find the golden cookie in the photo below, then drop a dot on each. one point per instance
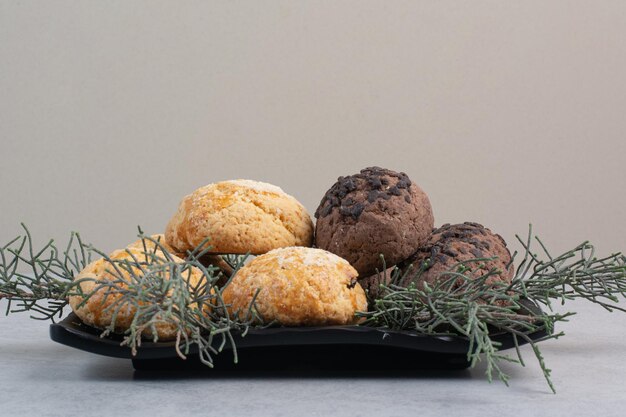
(150, 245)
(207, 259)
(239, 216)
(101, 303)
(298, 287)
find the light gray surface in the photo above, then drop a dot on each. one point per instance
(40, 377)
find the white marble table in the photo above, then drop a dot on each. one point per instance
(39, 377)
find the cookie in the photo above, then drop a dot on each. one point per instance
(372, 284)
(102, 303)
(238, 217)
(207, 259)
(451, 244)
(372, 213)
(149, 245)
(298, 287)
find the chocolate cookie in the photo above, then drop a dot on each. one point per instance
(372, 284)
(451, 244)
(374, 212)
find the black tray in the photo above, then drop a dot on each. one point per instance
(279, 348)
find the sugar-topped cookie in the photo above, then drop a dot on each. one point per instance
(298, 287)
(240, 216)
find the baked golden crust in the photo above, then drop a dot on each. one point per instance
(239, 216)
(100, 306)
(298, 287)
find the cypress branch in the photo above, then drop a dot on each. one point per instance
(158, 288)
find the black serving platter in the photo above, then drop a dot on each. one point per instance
(276, 348)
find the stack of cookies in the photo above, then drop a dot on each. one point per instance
(302, 274)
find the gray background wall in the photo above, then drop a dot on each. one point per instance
(504, 112)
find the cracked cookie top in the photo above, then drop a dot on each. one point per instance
(239, 216)
(375, 182)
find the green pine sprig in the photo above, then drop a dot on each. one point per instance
(154, 285)
(460, 303)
